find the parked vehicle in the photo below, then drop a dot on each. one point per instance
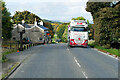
(77, 33)
(58, 40)
(26, 41)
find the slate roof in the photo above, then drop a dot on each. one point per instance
(28, 25)
(43, 27)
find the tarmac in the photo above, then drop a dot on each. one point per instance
(13, 58)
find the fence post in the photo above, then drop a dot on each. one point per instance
(24, 47)
(18, 45)
(10, 44)
(15, 45)
(27, 46)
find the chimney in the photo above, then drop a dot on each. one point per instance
(35, 22)
(41, 22)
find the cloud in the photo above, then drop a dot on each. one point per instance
(22, 1)
(54, 10)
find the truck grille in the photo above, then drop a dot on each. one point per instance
(78, 41)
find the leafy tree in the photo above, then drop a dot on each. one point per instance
(65, 34)
(27, 16)
(90, 28)
(78, 18)
(6, 22)
(96, 6)
(106, 23)
(50, 27)
(62, 31)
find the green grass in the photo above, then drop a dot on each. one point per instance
(9, 51)
(6, 74)
(3, 55)
(111, 50)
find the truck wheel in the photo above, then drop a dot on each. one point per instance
(85, 46)
(44, 42)
(70, 46)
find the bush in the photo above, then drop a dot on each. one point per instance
(4, 59)
(107, 46)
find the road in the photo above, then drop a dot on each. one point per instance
(59, 61)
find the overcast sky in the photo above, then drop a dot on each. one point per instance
(62, 10)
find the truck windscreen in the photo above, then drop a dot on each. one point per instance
(78, 29)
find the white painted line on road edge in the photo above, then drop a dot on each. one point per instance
(108, 55)
(84, 74)
(112, 56)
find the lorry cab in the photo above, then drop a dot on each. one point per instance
(78, 33)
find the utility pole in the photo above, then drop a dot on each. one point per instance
(21, 35)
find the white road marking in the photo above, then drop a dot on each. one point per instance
(67, 49)
(84, 74)
(78, 65)
(22, 71)
(77, 62)
(106, 54)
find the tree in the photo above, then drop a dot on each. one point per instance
(6, 22)
(90, 28)
(65, 34)
(78, 18)
(96, 6)
(27, 16)
(60, 30)
(50, 27)
(106, 23)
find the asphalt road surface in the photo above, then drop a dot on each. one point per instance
(60, 61)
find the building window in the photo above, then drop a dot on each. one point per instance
(14, 38)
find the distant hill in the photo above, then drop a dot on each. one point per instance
(57, 22)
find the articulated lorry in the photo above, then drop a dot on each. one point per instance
(78, 33)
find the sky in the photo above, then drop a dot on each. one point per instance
(57, 10)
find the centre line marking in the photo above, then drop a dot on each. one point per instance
(84, 74)
(77, 62)
(78, 65)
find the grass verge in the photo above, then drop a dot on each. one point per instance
(7, 51)
(11, 69)
(100, 48)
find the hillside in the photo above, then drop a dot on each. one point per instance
(50, 21)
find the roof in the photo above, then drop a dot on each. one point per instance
(28, 25)
(43, 27)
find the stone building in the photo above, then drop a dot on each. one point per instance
(37, 33)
